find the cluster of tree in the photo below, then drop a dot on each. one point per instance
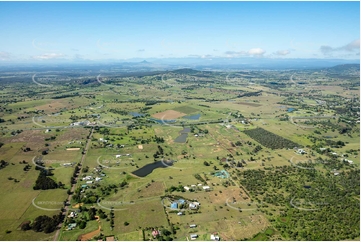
(179, 188)
(44, 182)
(43, 223)
(3, 164)
(159, 152)
(158, 139)
(199, 178)
(335, 214)
(270, 140)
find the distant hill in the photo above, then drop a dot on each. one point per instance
(345, 67)
(186, 71)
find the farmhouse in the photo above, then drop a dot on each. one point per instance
(192, 225)
(214, 237)
(206, 188)
(71, 226)
(301, 151)
(186, 188)
(117, 156)
(155, 233)
(194, 236)
(193, 206)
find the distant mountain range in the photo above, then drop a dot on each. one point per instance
(230, 64)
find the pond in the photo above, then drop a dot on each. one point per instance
(181, 138)
(193, 117)
(290, 109)
(136, 114)
(147, 169)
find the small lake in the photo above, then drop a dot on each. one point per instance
(147, 169)
(181, 138)
(193, 117)
(290, 109)
(136, 114)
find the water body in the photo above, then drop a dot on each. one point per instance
(290, 110)
(147, 169)
(181, 138)
(193, 117)
(136, 114)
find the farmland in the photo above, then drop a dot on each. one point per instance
(112, 153)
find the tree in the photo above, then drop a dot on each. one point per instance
(82, 224)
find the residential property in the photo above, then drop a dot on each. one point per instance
(155, 233)
(89, 182)
(180, 213)
(301, 151)
(206, 188)
(71, 226)
(192, 225)
(117, 156)
(110, 238)
(193, 206)
(215, 237)
(186, 188)
(194, 236)
(174, 205)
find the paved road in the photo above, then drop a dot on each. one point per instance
(56, 236)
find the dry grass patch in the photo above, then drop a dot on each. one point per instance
(168, 115)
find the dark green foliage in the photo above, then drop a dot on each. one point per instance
(270, 140)
(44, 182)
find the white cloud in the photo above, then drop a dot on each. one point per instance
(282, 52)
(4, 55)
(256, 52)
(49, 56)
(252, 52)
(350, 47)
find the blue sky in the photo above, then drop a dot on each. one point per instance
(46, 31)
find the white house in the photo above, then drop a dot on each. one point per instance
(89, 182)
(117, 156)
(194, 236)
(301, 151)
(193, 206)
(214, 238)
(192, 225)
(186, 188)
(206, 188)
(180, 213)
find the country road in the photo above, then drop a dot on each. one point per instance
(56, 236)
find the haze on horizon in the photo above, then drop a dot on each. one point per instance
(48, 32)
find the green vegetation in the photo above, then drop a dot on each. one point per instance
(74, 146)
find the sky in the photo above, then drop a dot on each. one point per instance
(76, 31)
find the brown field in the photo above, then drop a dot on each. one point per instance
(168, 115)
(88, 236)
